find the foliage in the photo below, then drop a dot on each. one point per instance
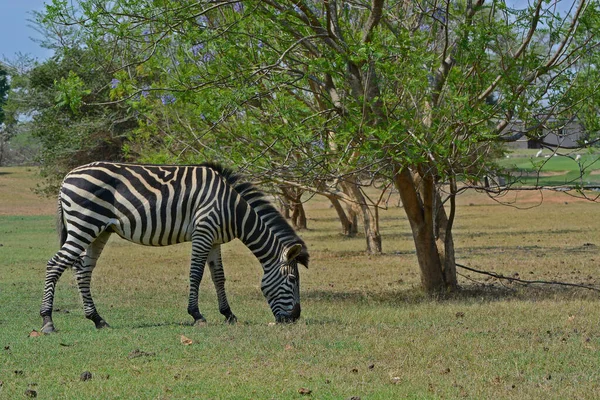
(215, 82)
(51, 100)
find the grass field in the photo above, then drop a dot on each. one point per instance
(582, 169)
(366, 330)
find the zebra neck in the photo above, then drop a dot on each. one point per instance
(258, 237)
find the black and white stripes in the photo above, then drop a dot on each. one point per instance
(161, 205)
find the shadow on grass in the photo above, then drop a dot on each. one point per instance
(468, 294)
(586, 247)
(5, 173)
(161, 324)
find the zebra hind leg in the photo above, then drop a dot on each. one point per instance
(201, 246)
(54, 269)
(83, 271)
(84, 277)
(215, 265)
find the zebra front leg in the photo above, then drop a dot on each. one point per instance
(83, 270)
(215, 264)
(201, 244)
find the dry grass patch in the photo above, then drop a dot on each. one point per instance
(17, 196)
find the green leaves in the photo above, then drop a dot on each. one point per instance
(70, 92)
(266, 84)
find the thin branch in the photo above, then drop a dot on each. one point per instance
(511, 279)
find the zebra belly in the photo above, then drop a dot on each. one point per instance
(156, 238)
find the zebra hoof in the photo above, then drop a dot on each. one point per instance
(200, 323)
(102, 324)
(48, 328)
(231, 319)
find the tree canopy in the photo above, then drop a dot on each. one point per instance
(326, 96)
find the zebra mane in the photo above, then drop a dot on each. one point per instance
(266, 211)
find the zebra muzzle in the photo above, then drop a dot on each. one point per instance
(291, 316)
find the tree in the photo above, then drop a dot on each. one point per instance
(4, 88)
(330, 96)
(48, 100)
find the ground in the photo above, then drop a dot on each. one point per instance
(366, 330)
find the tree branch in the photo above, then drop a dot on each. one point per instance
(373, 20)
(500, 276)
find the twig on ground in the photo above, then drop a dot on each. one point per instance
(500, 276)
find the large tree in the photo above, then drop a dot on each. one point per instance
(330, 96)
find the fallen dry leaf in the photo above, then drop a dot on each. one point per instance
(34, 333)
(571, 318)
(186, 341)
(304, 391)
(289, 347)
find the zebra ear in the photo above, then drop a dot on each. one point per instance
(293, 251)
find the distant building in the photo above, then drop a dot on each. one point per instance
(551, 133)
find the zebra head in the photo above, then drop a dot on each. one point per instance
(281, 286)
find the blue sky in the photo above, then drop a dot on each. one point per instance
(16, 32)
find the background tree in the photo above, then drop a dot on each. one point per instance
(4, 88)
(331, 96)
(49, 102)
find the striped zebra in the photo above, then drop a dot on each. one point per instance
(160, 205)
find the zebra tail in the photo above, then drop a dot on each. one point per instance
(60, 224)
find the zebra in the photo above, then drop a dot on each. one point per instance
(160, 205)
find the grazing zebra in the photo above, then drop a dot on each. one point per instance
(158, 205)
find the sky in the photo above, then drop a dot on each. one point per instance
(16, 32)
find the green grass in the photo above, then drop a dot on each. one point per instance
(549, 170)
(366, 329)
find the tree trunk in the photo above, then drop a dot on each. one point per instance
(284, 207)
(369, 215)
(348, 225)
(431, 231)
(353, 218)
(293, 198)
(445, 244)
(299, 216)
